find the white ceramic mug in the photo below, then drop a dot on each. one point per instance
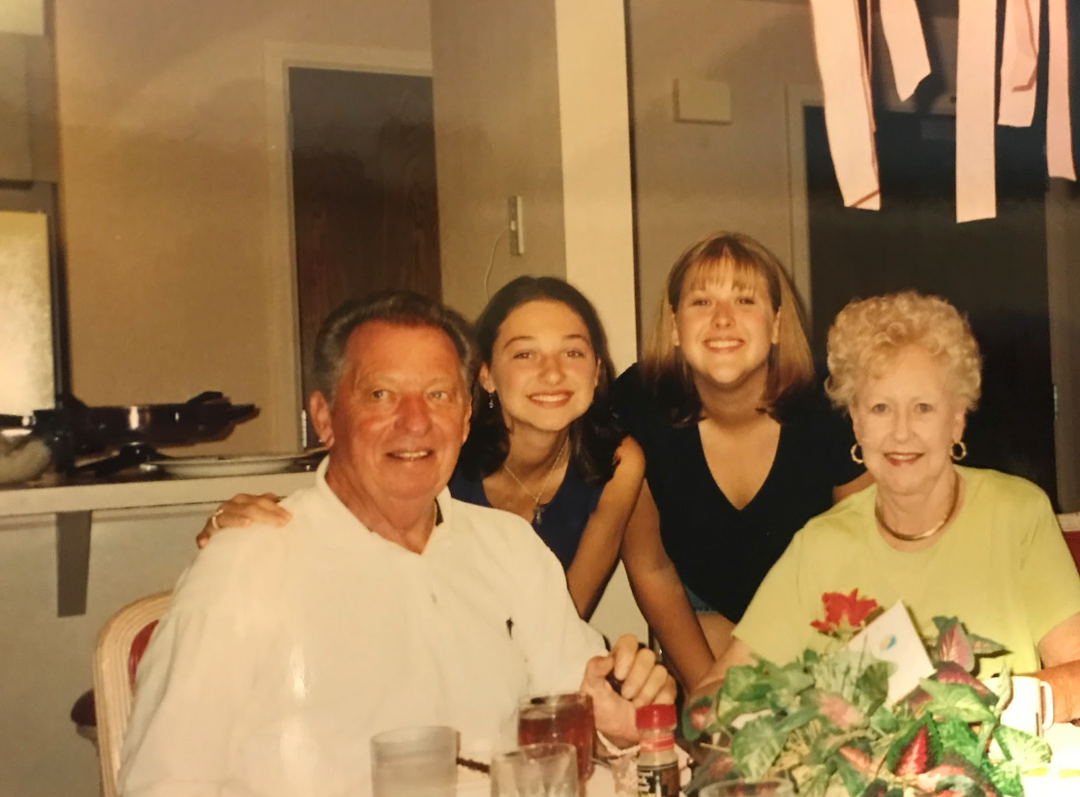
(1031, 708)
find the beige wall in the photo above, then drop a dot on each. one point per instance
(163, 125)
(693, 179)
(530, 99)
(496, 135)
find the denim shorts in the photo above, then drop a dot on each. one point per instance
(697, 604)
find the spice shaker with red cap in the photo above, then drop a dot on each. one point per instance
(658, 764)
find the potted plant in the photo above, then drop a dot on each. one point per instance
(823, 720)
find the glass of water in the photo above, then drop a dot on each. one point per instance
(548, 769)
(414, 762)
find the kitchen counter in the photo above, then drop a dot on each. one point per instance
(54, 495)
(73, 502)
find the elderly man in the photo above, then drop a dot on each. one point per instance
(383, 603)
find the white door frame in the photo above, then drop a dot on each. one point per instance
(799, 97)
(284, 332)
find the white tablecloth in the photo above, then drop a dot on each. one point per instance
(1059, 779)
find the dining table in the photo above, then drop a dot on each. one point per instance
(1061, 778)
(477, 784)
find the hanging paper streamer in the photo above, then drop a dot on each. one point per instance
(907, 45)
(1059, 154)
(846, 85)
(976, 183)
(1019, 62)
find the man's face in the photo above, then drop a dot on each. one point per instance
(398, 419)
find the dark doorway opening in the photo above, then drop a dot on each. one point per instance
(994, 271)
(365, 208)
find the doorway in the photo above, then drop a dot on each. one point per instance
(994, 271)
(365, 210)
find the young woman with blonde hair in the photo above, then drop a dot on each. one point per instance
(741, 447)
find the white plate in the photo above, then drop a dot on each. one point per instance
(203, 467)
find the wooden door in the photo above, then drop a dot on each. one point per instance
(364, 195)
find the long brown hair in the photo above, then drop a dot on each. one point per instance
(668, 377)
(594, 436)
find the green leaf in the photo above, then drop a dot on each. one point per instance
(884, 721)
(984, 646)
(1006, 778)
(877, 788)
(872, 685)
(745, 683)
(755, 747)
(957, 736)
(916, 751)
(793, 678)
(955, 701)
(964, 786)
(1025, 749)
(853, 781)
(796, 719)
(839, 672)
(953, 645)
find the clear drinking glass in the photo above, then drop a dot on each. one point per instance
(535, 770)
(564, 718)
(772, 787)
(415, 762)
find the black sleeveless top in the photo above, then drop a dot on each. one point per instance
(564, 516)
(722, 553)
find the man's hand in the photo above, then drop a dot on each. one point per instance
(643, 682)
(243, 510)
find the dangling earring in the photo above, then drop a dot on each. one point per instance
(957, 456)
(855, 457)
(491, 400)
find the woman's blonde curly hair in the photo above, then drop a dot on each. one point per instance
(867, 335)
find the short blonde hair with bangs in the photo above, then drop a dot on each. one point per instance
(868, 334)
(665, 371)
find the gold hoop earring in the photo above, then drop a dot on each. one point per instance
(958, 455)
(491, 400)
(855, 457)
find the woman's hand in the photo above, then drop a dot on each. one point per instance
(243, 510)
(1060, 654)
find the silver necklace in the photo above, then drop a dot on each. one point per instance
(930, 531)
(538, 510)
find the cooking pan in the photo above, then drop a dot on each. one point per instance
(72, 429)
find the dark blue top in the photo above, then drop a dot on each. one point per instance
(720, 552)
(564, 516)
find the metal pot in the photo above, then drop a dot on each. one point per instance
(73, 429)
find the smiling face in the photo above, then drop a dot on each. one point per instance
(906, 421)
(725, 327)
(543, 367)
(398, 418)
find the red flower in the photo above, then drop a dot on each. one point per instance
(844, 613)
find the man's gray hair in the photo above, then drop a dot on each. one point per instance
(400, 308)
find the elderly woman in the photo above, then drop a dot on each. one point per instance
(947, 540)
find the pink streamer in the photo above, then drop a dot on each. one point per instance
(1019, 62)
(976, 184)
(848, 115)
(1059, 154)
(907, 46)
